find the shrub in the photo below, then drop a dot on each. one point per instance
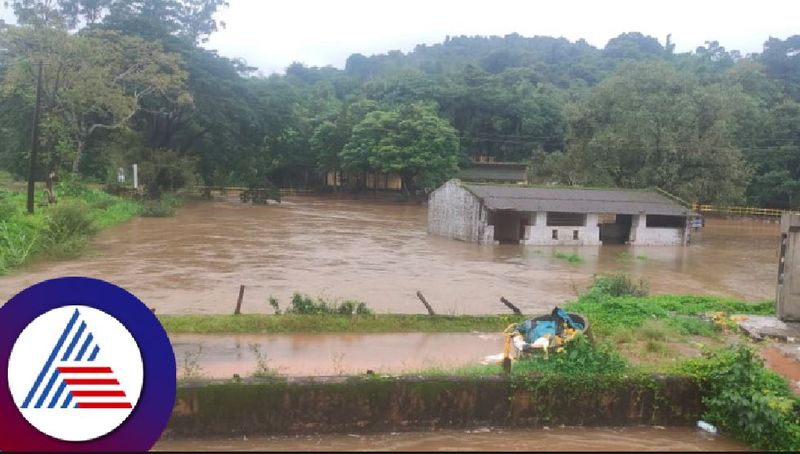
(578, 358)
(66, 230)
(7, 206)
(18, 241)
(571, 258)
(618, 285)
(303, 304)
(747, 400)
(163, 207)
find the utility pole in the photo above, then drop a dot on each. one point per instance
(34, 140)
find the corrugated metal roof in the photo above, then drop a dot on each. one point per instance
(576, 200)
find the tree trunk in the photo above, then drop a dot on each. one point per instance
(78, 154)
(408, 185)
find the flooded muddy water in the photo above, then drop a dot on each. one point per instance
(215, 356)
(556, 439)
(380, 252)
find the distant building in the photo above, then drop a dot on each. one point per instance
(494, 172)
(555, 216)
(367, 180)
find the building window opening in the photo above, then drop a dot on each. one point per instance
(555, 234)
(675, 222)
(560, 219)
(574, 234)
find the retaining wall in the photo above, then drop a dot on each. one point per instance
(303, 406)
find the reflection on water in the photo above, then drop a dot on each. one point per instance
(380, 252)
(556, 439)
(328, 354)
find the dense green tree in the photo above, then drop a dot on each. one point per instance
(651, 125)
(412, 141)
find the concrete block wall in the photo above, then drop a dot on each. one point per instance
(454, 212)
(641, 235)
(539, 233)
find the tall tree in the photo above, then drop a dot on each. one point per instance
(412, 141)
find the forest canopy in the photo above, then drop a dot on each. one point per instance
(128, 81)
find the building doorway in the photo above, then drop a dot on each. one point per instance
(509, 226)
(618, 231)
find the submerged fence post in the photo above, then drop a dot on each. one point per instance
(425, 302)
(510, 305)
(239, 301)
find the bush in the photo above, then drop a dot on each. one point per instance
(747, 400)
(163, 207)
(18, 241)
(66, 230)
(578, 358)
(618, 285)
(303, 304)
(7, 206)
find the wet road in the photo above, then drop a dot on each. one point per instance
(556, 439)
(380, 252)
(217, 356)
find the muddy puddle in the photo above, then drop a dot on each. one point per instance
(556, 439)
(380, 252)
(200, 356)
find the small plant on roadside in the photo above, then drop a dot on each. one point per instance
(263, 370)
(275, 306)
(191, 365)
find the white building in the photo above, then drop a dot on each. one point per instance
(555, 216)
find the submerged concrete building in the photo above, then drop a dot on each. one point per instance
(555, 216)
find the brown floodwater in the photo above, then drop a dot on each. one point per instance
(222, 356)
(380, 252)
(485, 439)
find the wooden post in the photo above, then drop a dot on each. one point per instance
(34, 141)
(510, 306)
(425, 302)
(239, 301)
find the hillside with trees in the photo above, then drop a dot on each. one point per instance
(130, 82)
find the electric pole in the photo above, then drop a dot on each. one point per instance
(34, 140)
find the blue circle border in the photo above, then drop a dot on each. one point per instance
(144, 426)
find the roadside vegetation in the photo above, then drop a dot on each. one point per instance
(56, 231)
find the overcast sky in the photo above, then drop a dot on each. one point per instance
(271, 34)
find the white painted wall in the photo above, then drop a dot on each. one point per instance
(539, 233)
(454, 212)
(641, 235)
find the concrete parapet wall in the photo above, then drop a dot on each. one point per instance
(303, 406)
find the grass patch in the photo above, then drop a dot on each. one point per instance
(326, 323)
(58, 231)
(571, 258)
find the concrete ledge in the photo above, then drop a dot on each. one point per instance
(373, 404)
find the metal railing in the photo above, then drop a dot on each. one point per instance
(742, 211)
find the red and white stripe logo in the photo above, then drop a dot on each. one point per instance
(75, 373)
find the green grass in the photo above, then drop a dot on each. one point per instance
(608, 314)
(55, 231)
(571, 258)
(327, 323)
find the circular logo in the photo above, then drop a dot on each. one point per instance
(90, 361)
(88, 368)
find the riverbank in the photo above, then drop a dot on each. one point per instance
(55, 231)
(615, 314)
(638, 344)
